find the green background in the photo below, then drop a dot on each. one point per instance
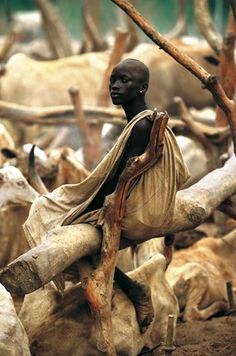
(161, 13)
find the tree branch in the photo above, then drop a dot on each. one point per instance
(209, 81)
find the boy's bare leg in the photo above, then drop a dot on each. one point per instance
(140, 295)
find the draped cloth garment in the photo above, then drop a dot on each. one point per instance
(149, 204)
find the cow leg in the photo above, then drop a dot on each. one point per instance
(140, 295)
(206, 313)
(198, 287)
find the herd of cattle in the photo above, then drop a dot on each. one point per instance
(189, 282)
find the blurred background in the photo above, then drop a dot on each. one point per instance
(162, 14)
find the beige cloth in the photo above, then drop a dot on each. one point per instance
(149, 205)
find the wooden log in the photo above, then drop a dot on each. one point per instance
(63, 247)
(58, 115)
(13, 338)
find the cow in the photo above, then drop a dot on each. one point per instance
(13, 338)
(198, 276)
(57, 167)
(36, 83)
(6, 141)
(47, 316)
(14, 187)
(16, 196)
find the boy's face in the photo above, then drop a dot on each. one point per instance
(125, 83)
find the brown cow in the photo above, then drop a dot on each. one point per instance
(198, 275)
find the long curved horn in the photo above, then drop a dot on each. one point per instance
(34, 178)
(180, 26)
(206, 25)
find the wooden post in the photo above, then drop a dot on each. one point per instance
(230, 296)
(168, 347)
(88, 146)
(98, 288)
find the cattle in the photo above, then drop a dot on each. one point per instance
(37, 83)
(16, 196)
(57, 167)
(47, 316)
(6, 141)
(13, 338)
(198, 276)
(69, 169)
(14, 187)
(18, 157)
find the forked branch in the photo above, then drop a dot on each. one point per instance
(99, 286)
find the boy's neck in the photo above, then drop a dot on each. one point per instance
(132, 109)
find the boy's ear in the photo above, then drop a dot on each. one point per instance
(145, 87)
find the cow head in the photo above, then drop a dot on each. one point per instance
(14, 188)
(19, 158)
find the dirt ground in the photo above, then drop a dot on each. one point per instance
(214, 337)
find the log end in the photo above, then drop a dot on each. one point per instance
(197, 215)
(18, 278)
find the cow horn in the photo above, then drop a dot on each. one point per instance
(180, 26)
(34, 178)
(206, 25)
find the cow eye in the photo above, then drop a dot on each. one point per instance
(20, 183)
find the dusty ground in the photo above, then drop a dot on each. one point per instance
(214, 337)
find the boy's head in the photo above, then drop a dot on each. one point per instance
(129, 79)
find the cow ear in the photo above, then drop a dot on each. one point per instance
(8, 153)
(212, 60)
(169, 240)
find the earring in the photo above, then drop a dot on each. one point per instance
(141, 91)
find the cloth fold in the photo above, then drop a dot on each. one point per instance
(149, 205)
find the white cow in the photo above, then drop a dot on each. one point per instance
(13, 338)
(46, 83)
(14, 187)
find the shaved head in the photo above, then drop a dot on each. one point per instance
(138, 68)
